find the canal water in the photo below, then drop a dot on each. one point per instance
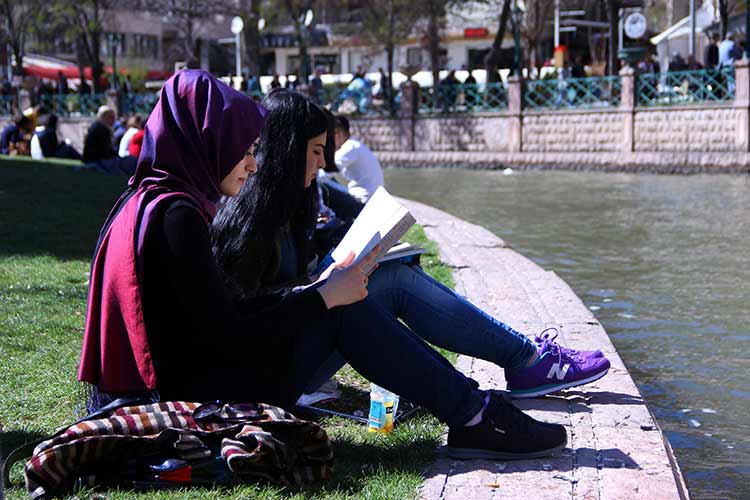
(664, 264)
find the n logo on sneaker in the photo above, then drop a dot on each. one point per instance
(558, 371)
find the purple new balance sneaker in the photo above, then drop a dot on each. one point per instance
(545, 337)
(557, 368)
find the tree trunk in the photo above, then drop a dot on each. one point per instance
(612, 15)
(389, 49)
(14, 32)
(18, 56)
(80, 55)
(492, 59)
(723, 17)
(303, 61)
(433, 39)
(96, 47)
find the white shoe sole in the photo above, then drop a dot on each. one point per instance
(555, 388)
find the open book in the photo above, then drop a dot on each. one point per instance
(383, 220)
(402, 252)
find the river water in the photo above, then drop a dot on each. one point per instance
(664, 264)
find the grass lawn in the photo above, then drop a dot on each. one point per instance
(50, 216)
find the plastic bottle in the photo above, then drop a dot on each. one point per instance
(383, 406)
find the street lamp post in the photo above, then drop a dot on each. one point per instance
(237, 26)
(307, 20)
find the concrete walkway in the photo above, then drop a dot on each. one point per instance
(615, 448)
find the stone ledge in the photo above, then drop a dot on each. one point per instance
(671, 162)
(616, 449)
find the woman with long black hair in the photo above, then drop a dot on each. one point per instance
(251, 239)
(162, 325)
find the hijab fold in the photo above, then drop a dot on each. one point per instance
(198, 131)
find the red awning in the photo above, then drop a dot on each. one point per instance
(72, 72)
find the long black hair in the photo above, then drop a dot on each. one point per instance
(246, 229)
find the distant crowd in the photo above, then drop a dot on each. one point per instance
(111, 144)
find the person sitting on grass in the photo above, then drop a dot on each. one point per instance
(45, 143)
(135, 124)
(162, 324)
(356, 163)
(261, 241)
(14, 139)
(98, 151)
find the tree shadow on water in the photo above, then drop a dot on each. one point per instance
(53, 210)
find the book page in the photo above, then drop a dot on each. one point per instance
(382, 220)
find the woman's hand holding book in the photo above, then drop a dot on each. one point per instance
(347, 284)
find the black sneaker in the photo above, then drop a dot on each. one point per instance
(505, 433)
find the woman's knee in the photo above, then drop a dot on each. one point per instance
(391, 276)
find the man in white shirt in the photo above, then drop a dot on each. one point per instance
(356, 163)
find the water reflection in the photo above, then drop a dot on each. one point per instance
(663, 262)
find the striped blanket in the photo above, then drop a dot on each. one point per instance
(162, 444)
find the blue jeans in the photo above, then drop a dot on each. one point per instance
(383, 350)
(440, 316)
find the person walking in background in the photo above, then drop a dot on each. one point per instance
(292, 82)
(135, 123)
(729, 51)
(316, 87)
(711, 53)
(448, 91)
(356, 163)
(253, 86)
(127, 85)
(385, 88)
(62, 83)
(577, 69)
(275, 83)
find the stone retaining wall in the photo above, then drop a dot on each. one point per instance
(626, 135)
(573, 131)
(693, 129)
(463, 133)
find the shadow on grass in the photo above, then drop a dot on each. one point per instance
(53, 209)
(355, 467)
(12, 439)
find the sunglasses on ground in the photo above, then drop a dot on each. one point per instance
(227, 412)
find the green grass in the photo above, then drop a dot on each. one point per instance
(49, 220)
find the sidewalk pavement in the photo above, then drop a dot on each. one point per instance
(615, 447)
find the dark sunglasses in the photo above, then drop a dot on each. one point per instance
(227, 412)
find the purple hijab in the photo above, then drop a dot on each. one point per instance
(198, 131)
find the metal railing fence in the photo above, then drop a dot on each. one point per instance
(685, 87)
(591, 92)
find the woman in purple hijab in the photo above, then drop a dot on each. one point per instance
(160, 323)
(156, 308)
